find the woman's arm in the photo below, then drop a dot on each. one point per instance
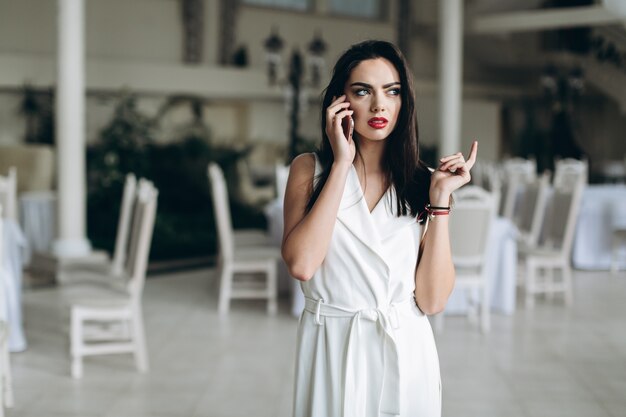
(306, 236)
(434, 276)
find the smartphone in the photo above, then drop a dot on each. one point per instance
(347, 124)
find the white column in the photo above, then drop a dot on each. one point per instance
(450, 75)
(70, 131)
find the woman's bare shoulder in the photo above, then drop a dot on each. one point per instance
(303, 165)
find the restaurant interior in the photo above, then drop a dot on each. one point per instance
(145, 148)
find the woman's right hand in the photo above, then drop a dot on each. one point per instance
(343, 147)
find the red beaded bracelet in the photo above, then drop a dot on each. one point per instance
(432, 211)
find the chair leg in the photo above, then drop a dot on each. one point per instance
(485, 318)
(566, 271)
(472, 306)
(272, 288)
(139, 340)
(76, 343)
(6, 380)
(529, 286)
(614, 251)
(226, 282)
(549, 283)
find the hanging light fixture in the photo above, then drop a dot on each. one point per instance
(273, 48)
(317, 50)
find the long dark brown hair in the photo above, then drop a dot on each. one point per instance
(405, 171)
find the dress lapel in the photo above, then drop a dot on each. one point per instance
(372, 229)
(385, 216)
(355, 216)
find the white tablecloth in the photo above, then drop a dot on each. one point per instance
(37, 216)
(601, 205)
(501, 268)
(501, 271)
(15, 246)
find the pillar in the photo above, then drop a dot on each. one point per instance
(450, 75)
(70, 132)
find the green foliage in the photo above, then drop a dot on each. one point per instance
(184, 225)
(122, 146)
(37, 107)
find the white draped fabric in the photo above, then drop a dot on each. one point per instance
(603, 206)
(37, 216)
(15, 246)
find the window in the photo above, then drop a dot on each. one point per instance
(300, 5)
(370, 9)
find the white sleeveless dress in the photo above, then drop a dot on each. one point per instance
(364, 348)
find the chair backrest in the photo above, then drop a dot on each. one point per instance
(564, 208)
(221, 209)
(570, 172)
(511, 187)
(517, 172)
(8, 194)
(142, 226)
(282, 174)
(529, 218)
(520, 167)
(492, 182)
(123, 225)
(470, 224)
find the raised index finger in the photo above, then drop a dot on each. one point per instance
(471, 159)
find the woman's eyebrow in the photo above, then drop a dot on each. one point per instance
(360, 84)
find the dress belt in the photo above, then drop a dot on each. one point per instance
(355, 388)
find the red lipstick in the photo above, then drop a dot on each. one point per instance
(377, 122)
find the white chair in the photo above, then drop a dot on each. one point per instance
(530, 216)
(570, 172)
(102, 267)
(248, 192)
(8, 194)
(517, 172)
(471, 220)
(239, 259)
(492, 182)
(108, 319)
(554, 251)
(520, 167)
(6, 382)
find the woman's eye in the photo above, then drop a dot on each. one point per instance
(394, 91)
(360, 92)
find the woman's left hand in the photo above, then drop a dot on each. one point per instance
(453, 172)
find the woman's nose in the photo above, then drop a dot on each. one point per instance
(377, 106)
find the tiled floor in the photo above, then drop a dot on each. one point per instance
(552, 361)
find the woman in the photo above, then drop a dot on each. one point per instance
(369, 271)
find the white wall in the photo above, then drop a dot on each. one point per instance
(126, 38)
(137, 30)
(480, 120)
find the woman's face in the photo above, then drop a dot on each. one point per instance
(373, 91)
